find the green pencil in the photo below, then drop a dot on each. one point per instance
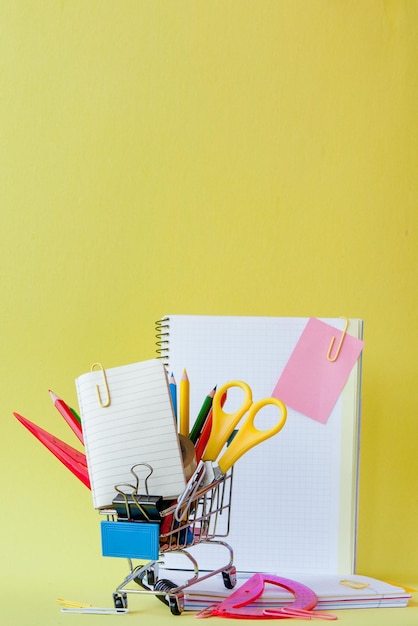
(76, 415)
(201, 418)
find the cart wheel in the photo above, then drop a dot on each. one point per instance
(120, 600)
(151, 577)
(139, 581)
(176, 604)
(230, 577)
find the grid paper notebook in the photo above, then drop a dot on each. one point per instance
(137, 427)
(294, 499)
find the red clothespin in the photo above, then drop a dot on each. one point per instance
(236, 605)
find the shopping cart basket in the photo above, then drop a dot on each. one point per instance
(139, 527)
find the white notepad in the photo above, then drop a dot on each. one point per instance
(333, 592)
(138, 426)
(294, 500)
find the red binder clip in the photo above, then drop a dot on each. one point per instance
(236, 605)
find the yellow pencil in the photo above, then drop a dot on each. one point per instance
(184, 405)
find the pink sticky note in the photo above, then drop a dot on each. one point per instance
(310, 383)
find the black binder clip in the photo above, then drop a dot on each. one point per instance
(136, 507)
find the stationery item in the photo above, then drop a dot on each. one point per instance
(237, 605)
(188, 497)
(68, 415)
(71, 603)
(188, 454)
(173, 393)
(331, 356)
(202, 417)
(136, 426)
(248, 435)
(184, 405)
(301, 486)
(206, 430)
(311, 383)
(73, 460)
(136, 506)
(76, 415)
(94, 610)
(82, 607)
(364, 592)
(106, 401)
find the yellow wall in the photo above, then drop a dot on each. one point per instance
(225, 157)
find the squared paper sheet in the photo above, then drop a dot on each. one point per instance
(294, 496)
(138, 426)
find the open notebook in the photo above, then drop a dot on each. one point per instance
(294, 500)
(138, 426)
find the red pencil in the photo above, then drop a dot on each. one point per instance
(68, 415)
(205, 434)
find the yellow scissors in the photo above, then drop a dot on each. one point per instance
(223, 425)
(248, 436)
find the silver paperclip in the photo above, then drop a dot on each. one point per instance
(81, 607)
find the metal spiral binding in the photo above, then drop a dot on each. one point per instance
(162, 329)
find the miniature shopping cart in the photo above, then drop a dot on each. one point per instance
(141, 526)
(147, 529)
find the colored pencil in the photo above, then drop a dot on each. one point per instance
(201, 418)
(204, 437)
(68, 415)
(173, 393)
(184, 405)
(76, 415)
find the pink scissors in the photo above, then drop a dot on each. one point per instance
(236, 605)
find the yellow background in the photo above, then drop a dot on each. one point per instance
(217, 157)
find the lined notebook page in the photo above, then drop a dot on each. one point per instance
(294, 496)
(138, 426)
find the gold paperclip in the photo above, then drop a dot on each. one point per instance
(335, 357)
(107, 403)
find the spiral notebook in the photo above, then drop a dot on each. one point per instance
(294, 500)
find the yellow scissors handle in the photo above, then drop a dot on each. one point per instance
(224, 423)
(249, 436)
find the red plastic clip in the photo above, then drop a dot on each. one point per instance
(233, 606)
